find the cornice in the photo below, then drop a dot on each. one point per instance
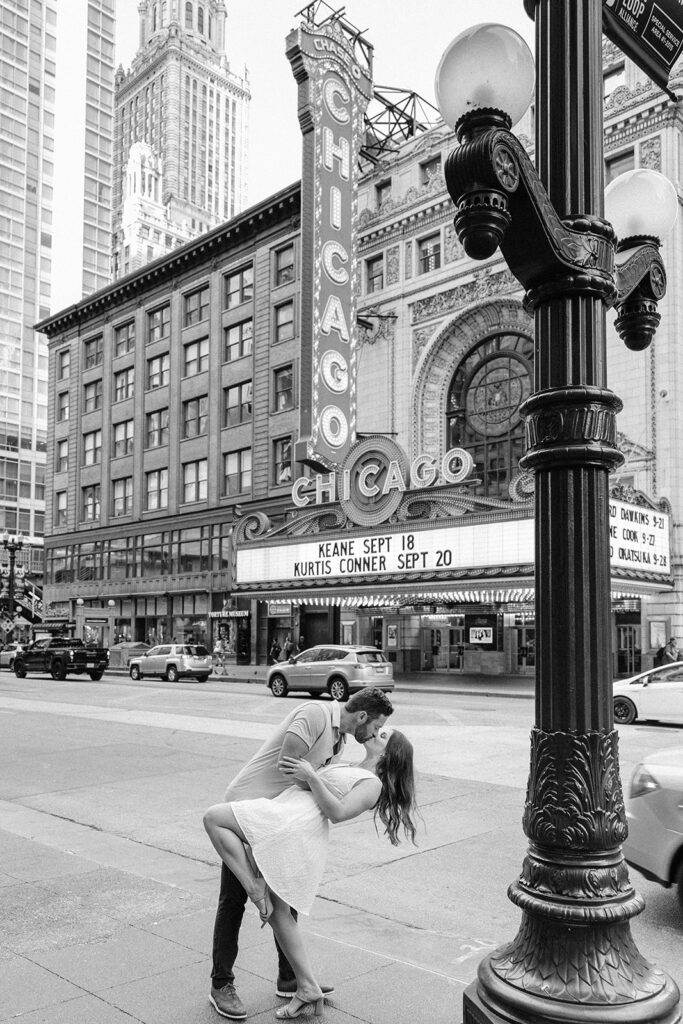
(206, 64)
(246, 226)
(641, 124)
(437, 213)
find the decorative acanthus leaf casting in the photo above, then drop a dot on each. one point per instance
(574, 799)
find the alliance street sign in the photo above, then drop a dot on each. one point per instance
(650, 32)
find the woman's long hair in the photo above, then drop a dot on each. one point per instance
(397, 799)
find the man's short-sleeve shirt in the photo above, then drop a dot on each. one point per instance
(318, 725)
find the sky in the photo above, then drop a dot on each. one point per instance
(408, 41)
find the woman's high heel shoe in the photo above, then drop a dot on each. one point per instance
(297, 1005)
(263, 904)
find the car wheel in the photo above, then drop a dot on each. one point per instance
(172, 674)
(202, 679)
(679, 883)
(135, 672)
(97, 674)
(58, 670)
(624, 711)
(278, 686)
(19, 669)
(338, 689)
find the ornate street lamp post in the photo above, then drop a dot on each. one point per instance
(573, 959)
(11, 546)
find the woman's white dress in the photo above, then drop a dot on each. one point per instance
(288, 835)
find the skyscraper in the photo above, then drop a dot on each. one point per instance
(83, 152)
(27, 104)
(54, 59)
(180, 134)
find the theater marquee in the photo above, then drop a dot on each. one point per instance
(639, 540)
(335, 86)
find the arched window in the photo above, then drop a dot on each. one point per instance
(482, 409)
(200, 19)
(188, 15)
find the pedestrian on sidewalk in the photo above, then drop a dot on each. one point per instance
(275, 651)
(288, 838)
(315, 732)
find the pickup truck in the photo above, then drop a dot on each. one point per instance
(60, 656)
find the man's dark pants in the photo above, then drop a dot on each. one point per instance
(232, 900)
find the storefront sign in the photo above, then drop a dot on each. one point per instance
(639, 539)
(650, 32)
(334, 90)
(235, 614)
(279, 609)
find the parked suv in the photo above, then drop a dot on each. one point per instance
(337, 669)
(172, 662)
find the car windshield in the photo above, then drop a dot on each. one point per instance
(195, 650)
(371, 656)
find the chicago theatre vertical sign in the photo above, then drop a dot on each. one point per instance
(334, 75)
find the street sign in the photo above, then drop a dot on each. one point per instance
(650, 32)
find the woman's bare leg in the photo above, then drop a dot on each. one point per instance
(289, 936)
(228, 840)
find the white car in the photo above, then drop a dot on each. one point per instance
(654, 811)
(655, 694)
(7, 655)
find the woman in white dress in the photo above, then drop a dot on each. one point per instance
(277, 847)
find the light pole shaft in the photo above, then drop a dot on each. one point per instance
(572, 542)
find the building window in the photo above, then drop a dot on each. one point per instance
(382, 192)
(195, 475)
(482, 409)
(158, 324)
(375, 273)
(238, 340)
(284, 322)
(92, 448)
(92, 395)
(195, 416)
(63, 364)
(282, 461)
(156, 428)
(283, 389)
(237, 472)
(196, 357)
(156, 489)
(237, 404)
(124, 385)
(63, 406)
(123, 439)
(158, 371)
(239, 287)
(429, 254)
(188, 15)
(60, 508)
(124, 338)
(90, 509)
(612, 79)
(122, 497)
(430, 169)
(196, 306)
(93, 352)
(62, 460)
(284, 265)
(617, 165)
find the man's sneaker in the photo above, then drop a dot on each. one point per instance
(226, 1002)
(286, 989)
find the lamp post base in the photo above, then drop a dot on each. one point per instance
(492, 1001)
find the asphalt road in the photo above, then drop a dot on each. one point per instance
(118, 772)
